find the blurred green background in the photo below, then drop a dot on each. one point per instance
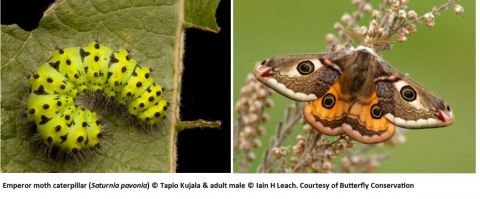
(441, 58)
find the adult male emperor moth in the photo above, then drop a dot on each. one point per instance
(354, 92)
(95, 68)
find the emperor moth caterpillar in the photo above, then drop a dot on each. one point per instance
(95, 68)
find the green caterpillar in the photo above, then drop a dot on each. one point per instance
(94, 68)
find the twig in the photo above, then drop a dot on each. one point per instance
(310, 144)
(436, 11)
(282, 133)
(182, 125)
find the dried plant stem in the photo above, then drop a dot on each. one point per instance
(254, 99)
(313, 137)
(292, 116)
(436, 10)
(236, 134)
(389, 25)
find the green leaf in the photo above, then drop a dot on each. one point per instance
(201, 14)
(151, 30)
